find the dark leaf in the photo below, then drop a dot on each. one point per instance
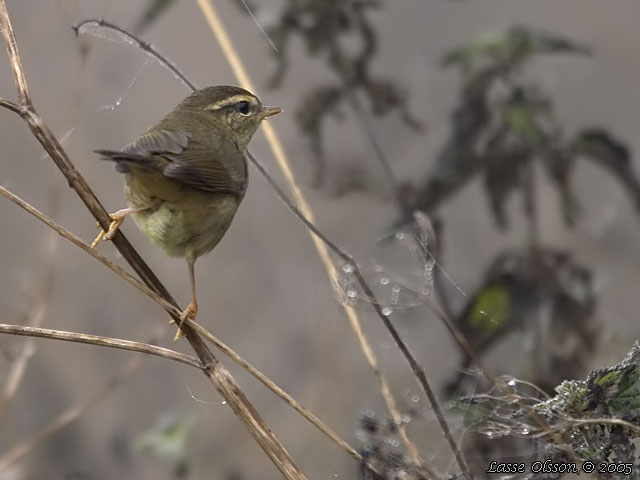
(605, 150)
(558, 163)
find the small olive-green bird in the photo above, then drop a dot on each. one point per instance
(186, 176)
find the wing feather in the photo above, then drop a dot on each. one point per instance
(179, 158)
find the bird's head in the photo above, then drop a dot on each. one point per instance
(231, 107)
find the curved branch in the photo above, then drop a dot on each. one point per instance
(14, 107)
(102, 342)
(144, 46)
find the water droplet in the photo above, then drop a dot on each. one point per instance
(386, 311)
(348, 268)
(399, 235)
(524, 431)
(384, 281)
(415, 399)
(512, 382)
(395, 294)
(406, 419)
(352, 293)
(224, 402)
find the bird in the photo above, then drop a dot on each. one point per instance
(186, 176)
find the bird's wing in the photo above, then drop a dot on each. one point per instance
(178, 157)
(207, 170)
(159, 142)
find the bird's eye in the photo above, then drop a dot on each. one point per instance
(243, 107)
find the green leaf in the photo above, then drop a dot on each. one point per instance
(168, 438)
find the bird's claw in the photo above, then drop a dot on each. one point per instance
(188, 313)
(116, 220)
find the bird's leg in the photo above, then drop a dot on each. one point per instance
(117, 219)
(192, 309)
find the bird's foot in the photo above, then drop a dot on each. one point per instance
(117, 219)
(190, 312)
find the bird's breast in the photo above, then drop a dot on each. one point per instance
(182, 220)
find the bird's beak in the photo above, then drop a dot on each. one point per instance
(269, 111)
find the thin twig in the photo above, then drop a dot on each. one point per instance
(438, 274)
(145, 46)
(417, 370)
(469, 350)
(213, 369)
(98, 340)
(404, 209)
(87, 249)
(14, 107)
(351, 313)
(125, 275)
(240, 72)
(223, 347)
(367, 129)
(573, 422)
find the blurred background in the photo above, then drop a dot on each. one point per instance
(531, 114)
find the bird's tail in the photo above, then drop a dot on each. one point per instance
(124, 160)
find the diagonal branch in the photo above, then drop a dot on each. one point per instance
(320, 241)
(416, 368)
(213, 369)
(14, 57)
(87, 249)
(306, 215)
(205, 333)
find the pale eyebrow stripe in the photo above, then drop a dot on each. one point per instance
(230, 101)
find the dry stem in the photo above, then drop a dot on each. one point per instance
(234, 60)
(98, 340)
(213, 369)
(202, 331)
